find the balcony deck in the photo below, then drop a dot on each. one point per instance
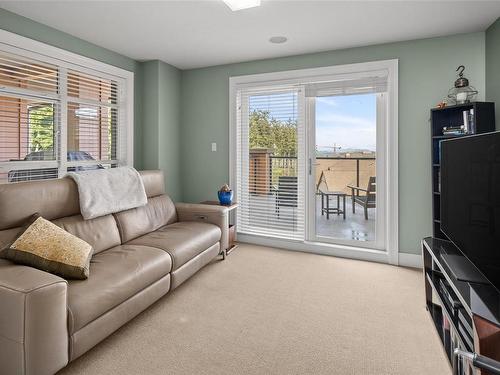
(333, 173)
(354, 227)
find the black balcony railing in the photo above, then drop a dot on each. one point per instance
(287, 166)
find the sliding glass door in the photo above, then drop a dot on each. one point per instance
(310, 160)
(347, 168)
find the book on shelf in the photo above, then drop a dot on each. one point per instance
(469, 124)
(454, 130)
(468, 127)
(471, 121)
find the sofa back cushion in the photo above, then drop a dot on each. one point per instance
(54, 199)
(8, 236)
(57, 201)
(101, 233)
(158, 212)
(154, 182)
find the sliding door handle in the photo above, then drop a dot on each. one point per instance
(480, 361)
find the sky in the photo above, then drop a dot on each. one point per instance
(347, 121)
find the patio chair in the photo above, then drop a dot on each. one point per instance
(286, 192)
(367, 201)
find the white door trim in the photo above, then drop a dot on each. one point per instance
(302, 76)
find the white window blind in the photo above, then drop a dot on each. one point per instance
(27, 75)
(56, 116)
(368, 82)
(29, 114)
(93, 117)
(270, 162)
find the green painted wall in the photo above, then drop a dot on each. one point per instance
(24, 26)
(426, 72)
(169, 134)
(148, 97)
(161, 122)
(493, 67)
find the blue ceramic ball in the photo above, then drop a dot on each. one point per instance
(225, 197)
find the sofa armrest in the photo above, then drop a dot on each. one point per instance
(217, 215)
(33, 321)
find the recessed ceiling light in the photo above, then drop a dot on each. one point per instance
(241, 4)
(278, 39)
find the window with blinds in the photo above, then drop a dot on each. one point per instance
(56, 117)
(92, 118)
(270, 162)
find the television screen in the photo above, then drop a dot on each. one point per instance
(470, 199)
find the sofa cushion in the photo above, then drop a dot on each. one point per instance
(42, 244)
(8, 236)
(154, 182)
(115, 275)
(182, 240)
(101, 233)
(52, 199)
(159, 211)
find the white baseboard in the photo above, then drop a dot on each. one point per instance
(404, 259)
(317, 248)
(410, 260)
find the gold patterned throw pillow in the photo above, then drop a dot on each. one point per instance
(43, 245)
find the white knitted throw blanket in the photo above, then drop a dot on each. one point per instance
(106, 191)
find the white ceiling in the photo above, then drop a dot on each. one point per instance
(191, 34)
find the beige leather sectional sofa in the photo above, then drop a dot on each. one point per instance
(139, 256)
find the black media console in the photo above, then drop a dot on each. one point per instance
(464, 307)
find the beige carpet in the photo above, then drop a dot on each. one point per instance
(268, 311)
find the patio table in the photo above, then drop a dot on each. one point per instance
(325, 195)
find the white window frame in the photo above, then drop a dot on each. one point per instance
(301, 76)
(65, 60)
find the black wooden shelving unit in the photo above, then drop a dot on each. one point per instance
(452, 116)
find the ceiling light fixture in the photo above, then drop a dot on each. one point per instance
(278, 39)
(241, 4)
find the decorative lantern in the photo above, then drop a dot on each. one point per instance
(462, 92)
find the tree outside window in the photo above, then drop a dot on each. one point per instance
(41, 129)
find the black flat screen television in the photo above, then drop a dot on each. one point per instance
(470, 200)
